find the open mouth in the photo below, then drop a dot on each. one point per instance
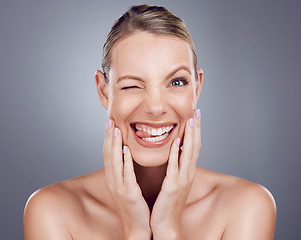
(152, 133)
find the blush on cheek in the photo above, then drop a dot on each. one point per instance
(184, 106)
(122, 109)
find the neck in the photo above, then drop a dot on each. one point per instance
(150, 181)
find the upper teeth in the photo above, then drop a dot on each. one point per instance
(153, 131)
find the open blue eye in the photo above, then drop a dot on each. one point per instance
(178, 82)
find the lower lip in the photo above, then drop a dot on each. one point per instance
(153, 144)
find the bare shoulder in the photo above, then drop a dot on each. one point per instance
(240, 192)
(252, 211)
(248, 208)
(51, 212)
(45, 213)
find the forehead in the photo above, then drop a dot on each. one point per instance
(144, 53)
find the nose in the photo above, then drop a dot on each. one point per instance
(155, 103)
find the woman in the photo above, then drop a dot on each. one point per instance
(150, 186)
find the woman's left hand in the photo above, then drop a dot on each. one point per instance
(180, 173)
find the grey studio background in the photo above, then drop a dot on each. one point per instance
(52, 122)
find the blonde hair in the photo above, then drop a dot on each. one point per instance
(152, 19)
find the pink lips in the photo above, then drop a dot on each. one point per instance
(138, 135)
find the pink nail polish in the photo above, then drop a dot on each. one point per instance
(178, 141)
(198, 114)
(125, 149)
(191, 122)
(106, 125)
(115, 132)
(110, 123)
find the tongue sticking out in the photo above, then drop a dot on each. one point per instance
(143, 134)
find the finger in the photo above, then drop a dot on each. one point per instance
(172, 167)
(117, 162)
(197, 137)
(188, 144)
(106, 149)
(128, 172)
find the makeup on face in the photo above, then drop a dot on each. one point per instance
(153, 94)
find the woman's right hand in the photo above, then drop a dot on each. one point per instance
(121, 181)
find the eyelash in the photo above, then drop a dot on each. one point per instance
(180, 79)
(129, 87)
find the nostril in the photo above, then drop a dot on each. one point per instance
(155, 104)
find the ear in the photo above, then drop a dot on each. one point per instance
(102, 88)
(199, 83)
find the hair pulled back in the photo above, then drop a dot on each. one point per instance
(152, 19)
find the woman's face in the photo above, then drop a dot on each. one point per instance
(152, 92)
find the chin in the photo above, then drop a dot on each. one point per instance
(151, 158)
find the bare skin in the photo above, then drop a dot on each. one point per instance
(151, 188)
(218, 207)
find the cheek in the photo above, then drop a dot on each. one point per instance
(121, 109)
(121, 106)
(183, 105)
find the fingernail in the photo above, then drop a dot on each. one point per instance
(201, 70)
(198, 114)
(115, 132)
(106, 125)
(110, 123)
(125, 149)
(178, 141)
(191, 122)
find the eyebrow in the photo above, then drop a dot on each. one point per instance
(182, 67)
(129, 77)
